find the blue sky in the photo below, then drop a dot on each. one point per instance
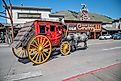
(111, 8)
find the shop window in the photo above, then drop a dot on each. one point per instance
(29, 15)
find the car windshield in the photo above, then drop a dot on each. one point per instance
(116, 34)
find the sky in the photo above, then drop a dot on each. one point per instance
(111, 8)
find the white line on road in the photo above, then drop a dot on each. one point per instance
(99, 43)
(112, 48)
(104, 42)
(21, 76)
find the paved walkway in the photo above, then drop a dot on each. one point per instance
(109, 73)
(4, 45)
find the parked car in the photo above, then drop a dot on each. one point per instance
(116, 36)
(105, 37)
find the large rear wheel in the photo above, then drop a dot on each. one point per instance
(39, 49)
(65, 48)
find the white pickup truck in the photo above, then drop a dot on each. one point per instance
(105, 37)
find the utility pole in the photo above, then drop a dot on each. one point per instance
(10, 16)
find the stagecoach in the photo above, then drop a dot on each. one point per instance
(38, 39)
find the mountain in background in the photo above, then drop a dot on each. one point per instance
(72, 15)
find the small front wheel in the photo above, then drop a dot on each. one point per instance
(65, 48)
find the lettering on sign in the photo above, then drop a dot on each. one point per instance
(82, 27)
(86, 27)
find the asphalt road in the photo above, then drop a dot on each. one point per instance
(100, 53)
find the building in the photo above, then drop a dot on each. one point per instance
(117, 23)
(92, 28)
(5, 33)
(112, 27)
(22, 14)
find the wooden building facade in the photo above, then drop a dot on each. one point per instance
(92, 28)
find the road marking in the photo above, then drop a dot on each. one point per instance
(21, 76)
(99, 43)
(111, 48)
(104, 42)
(92, 71)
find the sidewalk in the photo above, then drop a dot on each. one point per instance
(4, 45)
(109, 73)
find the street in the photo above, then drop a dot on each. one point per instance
(100, 53)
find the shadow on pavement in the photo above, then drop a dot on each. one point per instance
(54, 55)
(24, 61)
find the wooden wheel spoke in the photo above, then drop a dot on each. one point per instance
(42, 57)
(32, 53)
(34, 49)
(46, 49)
(43, 41)
(36, 42)
(37, 57)
(47, 45)
(45, 54)
(40, 39)
(18, 52)
(23, 54)
(33, 45)
(34, 56)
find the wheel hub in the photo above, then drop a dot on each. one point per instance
(40, 48)
(65, 46)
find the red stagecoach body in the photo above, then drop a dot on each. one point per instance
(53, 30)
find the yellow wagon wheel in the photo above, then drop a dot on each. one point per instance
(20, 52)
(65, 48)
(39, 49)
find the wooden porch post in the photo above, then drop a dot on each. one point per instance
(94, 35)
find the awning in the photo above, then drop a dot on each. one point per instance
(110, 29)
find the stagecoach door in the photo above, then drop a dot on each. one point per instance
(55, 35)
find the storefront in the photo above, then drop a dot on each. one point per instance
(5, 33)
(92, 28)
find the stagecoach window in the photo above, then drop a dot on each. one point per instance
(59, 28)
(52, 28)
(42, 29)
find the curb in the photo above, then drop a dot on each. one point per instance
(89, 72)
